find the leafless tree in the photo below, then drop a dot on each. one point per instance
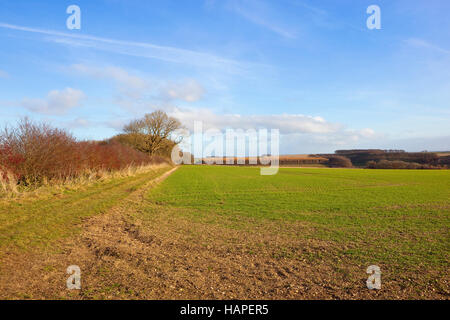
(157, 128)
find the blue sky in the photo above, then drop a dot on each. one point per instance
(309, 68)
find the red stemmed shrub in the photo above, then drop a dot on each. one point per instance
(34, 152)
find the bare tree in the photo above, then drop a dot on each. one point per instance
(155, 128)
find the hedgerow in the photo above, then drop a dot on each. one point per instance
(31, 153)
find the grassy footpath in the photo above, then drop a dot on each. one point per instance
(35, 223)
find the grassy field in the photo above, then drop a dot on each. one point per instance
(389, 216)
(228, 232)
(397, 219)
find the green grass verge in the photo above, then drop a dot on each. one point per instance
(35, 223)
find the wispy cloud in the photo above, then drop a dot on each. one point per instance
(421, 43)
(137, 49)
(115, 73)
(128, 84)
(80, 123)
(259, 13)
(137, 88)
(188, 90)
(3, 74)
(56, 103)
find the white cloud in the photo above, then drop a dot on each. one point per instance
(286, 123)
(134, 87)
(366, 133)
(3, 74)
(57, 102)
(130, 85)
(115, 73)
(299, 133)
(79, 123)
(117, 123)
(189, 90)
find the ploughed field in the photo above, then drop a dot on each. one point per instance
(221, 232)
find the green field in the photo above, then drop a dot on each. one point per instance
(228, 232)
(385, 216)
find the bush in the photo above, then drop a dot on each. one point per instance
(371, 165)
(339, 162)
(33, 152)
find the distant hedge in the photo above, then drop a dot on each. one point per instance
(386, 164)
(362, 157)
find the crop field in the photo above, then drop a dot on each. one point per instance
(221, 232)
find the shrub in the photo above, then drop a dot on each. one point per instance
(371, 165)
(339, 162)
(33, 153)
